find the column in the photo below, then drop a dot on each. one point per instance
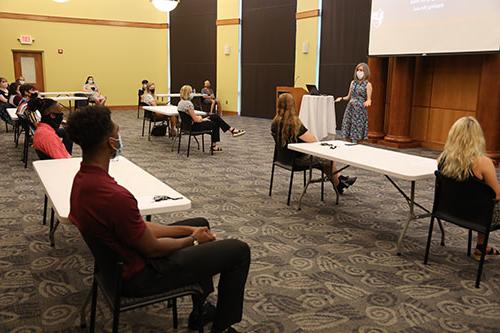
(401, 92)
(488, 106)
(376, 113)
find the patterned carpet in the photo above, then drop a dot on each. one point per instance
(325, 268)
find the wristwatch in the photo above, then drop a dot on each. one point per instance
(195, 241)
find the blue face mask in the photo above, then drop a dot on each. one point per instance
(119, 149)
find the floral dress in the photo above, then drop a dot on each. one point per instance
(355, 122)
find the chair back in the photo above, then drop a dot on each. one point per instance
(42, 155)
(186, 121)
(468, 203)
(284, 155)
(108, 265)
(82, 103)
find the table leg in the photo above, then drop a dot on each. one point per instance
(45, 204)
(411, 216)
(306, 186)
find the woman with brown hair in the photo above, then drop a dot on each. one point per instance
(464, 158)
(287, 128)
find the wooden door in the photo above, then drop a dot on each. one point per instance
(29, 65)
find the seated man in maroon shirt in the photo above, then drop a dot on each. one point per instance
(156, 257)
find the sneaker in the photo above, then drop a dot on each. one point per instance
(491, 253)
(197, 321)
(237, 132)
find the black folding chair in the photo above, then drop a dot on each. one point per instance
(285, 159)
(25, 125)
(468, 204)
(108, 277)
(186, 127)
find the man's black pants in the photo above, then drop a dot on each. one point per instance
(198, 264)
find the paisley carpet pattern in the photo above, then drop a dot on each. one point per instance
(325, 268)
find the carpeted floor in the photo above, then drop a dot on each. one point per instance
(325, 268)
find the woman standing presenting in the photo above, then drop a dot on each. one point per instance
(355, 123)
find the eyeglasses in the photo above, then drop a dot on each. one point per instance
(164, 197)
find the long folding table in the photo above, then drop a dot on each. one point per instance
(391, 164)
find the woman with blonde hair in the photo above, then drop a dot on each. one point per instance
(213, 122)
(463, 158)
(359, 97)
(287, 128)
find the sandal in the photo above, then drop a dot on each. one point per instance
(491, 253)
(216, 148)
(237, 132)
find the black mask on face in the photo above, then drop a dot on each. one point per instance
(152, 91)
(34, 95)
(53, 122)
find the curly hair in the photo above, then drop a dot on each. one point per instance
(90, 126)
(464, 145)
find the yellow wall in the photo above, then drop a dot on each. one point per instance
(227, 65)
(307, 32)
(116, 56)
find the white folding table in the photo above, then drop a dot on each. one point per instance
(317, 113)
(57, 180)
(69, 99)
(64, 93)
(389, 163)
(167, 110)
(14, 118)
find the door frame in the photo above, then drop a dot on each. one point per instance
(38, 66)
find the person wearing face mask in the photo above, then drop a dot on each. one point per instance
(28, 91)
(355, 122)
(148, 98)
(20, 80)
(157, 257)
(4, 91)
(91, 87)
(209, 98)
(213, 122)
(14, 94)
(47, 137)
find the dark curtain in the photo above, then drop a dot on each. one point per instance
(193, 40)
(345, 31)
(267, 55)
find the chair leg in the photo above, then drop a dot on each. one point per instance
(143, 122)
(116, 319)
(189, 144)
(174, 313)
(305, 176)
(45, 204)
(203, 142)
(149, 130)
(481, 262)
(271, 182)
(469, 243)
(179, 145)
(429, 237)
(290, 189)
(93, 306)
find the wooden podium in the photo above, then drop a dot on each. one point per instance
(296, 92)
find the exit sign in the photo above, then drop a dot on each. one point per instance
(26, 39)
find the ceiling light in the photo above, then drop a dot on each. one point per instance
(165, 5)
(60, 1)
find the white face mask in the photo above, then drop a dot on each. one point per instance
(191, 96)
(21, 82)
(91, 81)
(119, 149)
(360, 75)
